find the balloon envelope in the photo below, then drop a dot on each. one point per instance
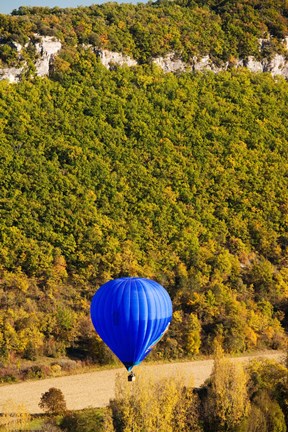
(131, 315)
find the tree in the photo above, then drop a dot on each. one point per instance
(272, 412)
(268, 386)
(151, 404)
(53, 401)
(227, 402)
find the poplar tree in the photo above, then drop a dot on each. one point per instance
(227, 402)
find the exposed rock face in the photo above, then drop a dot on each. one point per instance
(170, 63)
(205, 63)
(13, 75)
(16, 46)
(278, 66)
(253, 65)
(47, 48)
(202, 64)
(108, 58)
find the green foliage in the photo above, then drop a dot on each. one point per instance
(89, 420)
(222, 30)
(274, 415)
(266, 415)
(136, 172)
(268, 381)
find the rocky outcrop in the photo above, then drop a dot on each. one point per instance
(278, 65)
(110, 58)
(47, 48)
(13, 75)
(171, 63)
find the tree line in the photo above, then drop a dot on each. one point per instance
(225, 30)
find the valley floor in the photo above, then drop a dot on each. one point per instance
(95, 389)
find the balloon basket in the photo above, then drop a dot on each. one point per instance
(131, 377)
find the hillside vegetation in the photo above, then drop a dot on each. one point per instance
(179, 178)
(224, 30)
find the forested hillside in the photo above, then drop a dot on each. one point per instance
(224, 30)
(180, 178)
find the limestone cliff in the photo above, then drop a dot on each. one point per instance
(47, 47)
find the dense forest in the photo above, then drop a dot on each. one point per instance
(181, 178)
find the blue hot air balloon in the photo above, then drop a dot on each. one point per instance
(131, 315)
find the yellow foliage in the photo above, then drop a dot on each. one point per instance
(228, 398)
(15, 416)
(104, 39)
(193, 334)
(16, 280)
(61, 65)
(151, 404)
(121, 25)
(251, 337)
(177, 316)
(182, 270)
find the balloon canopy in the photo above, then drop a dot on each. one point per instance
(131, 315)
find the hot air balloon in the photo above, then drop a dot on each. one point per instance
(131, 315)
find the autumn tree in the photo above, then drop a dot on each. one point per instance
(266, 413)
(227, 402)
(151, 404)
(268, 388)
(53, 401)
